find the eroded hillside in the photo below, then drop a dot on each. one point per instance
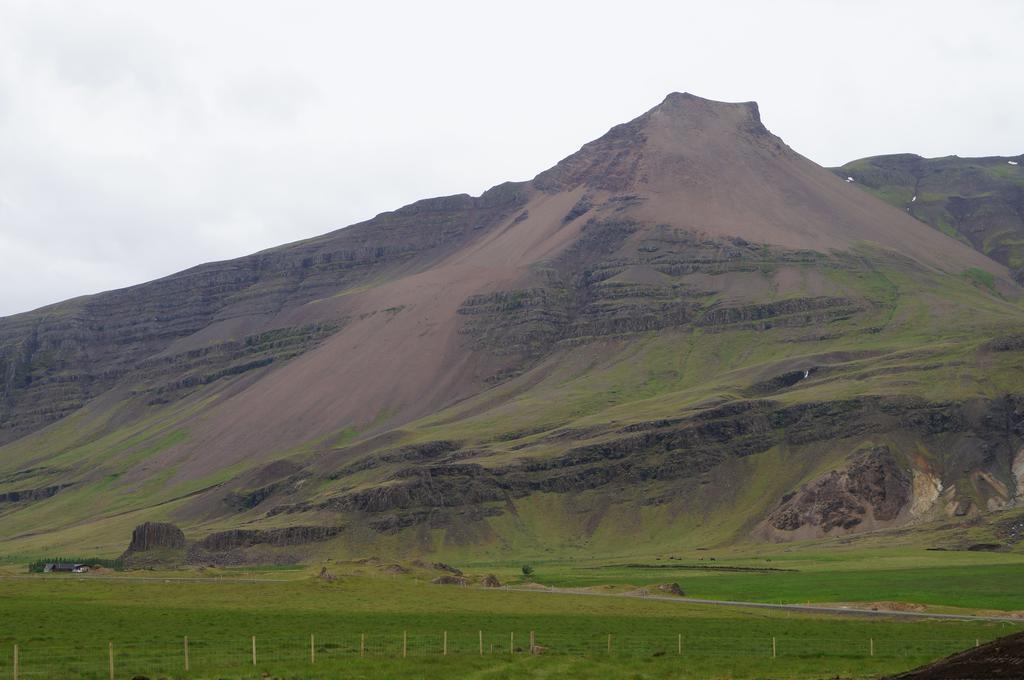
(684, 334)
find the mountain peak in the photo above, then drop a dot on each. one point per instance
(686, 118)
(686, 105)
(712, 167)
(683, 125)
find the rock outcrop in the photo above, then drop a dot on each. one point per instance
(155, 545)
(223, 541)
(161, 544)
(156, 535)
(30, 495)
(871, 491)
(873, 488)
(288, 545)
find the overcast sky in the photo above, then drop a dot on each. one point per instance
(140, 138)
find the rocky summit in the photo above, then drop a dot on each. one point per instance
(685, 334)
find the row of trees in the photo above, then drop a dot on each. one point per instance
(39, 566)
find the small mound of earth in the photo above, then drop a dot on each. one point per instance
(986, 547)
(1002, 659)
(450, 581)
(441, 566)
(895, 607)
(394, 569)
(436, 566)
(490, 581)
(671, 589)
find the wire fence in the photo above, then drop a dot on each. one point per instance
(184, 656)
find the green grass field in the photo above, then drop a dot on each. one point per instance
(63, 625)
(941, 580)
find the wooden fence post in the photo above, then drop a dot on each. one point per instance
(680, 643)
(481, 633)
(110, 658)
(186, 654)
(773, 646)
(405, 643)
(872, 648)
(512, 643)
(253, 650)
(533, 643)
(609, 643)
(362, 644)
(977, 643)
(16, 669)
(312, 648)
(444, 652)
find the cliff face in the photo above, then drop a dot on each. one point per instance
(676, 327)
(156, 535)
(161, 544)
(154, 544)
(662, 464)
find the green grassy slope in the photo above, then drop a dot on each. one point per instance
(917, 335)
(979, 201)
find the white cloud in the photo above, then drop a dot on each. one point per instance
(139, 138)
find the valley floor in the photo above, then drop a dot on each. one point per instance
(359, 624)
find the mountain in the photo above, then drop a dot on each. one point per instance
(979, 201)
(684, 334)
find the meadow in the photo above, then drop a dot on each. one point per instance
(360, 623)
(939, 580)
